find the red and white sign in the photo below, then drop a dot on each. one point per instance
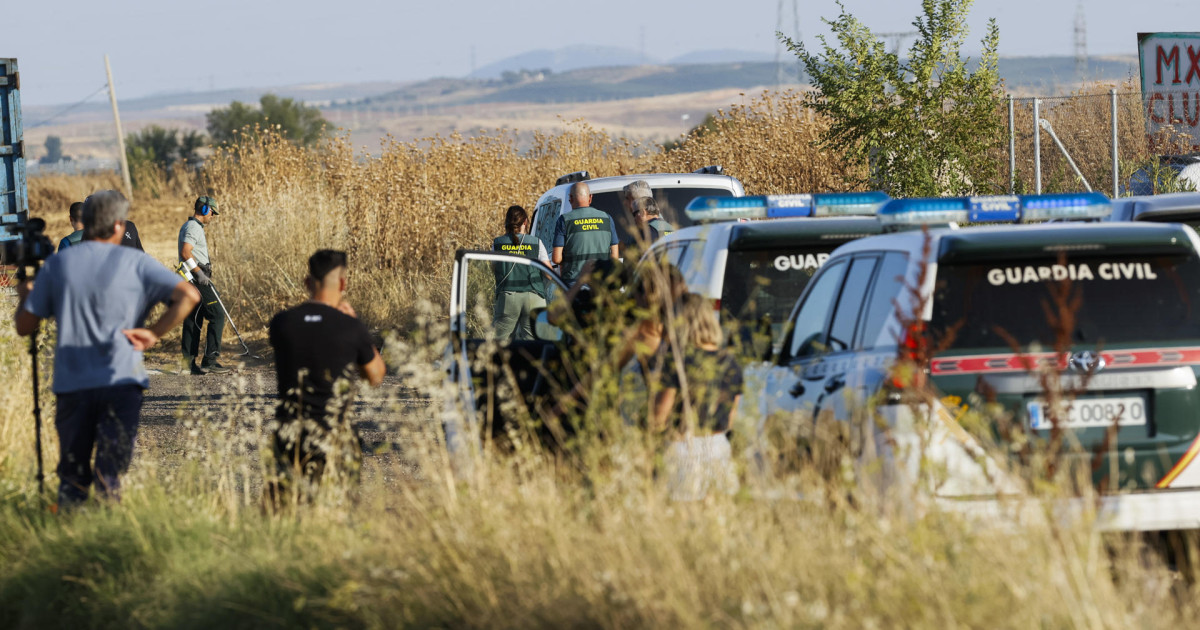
(1170, 64)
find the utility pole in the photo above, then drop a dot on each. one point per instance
(1081, 56)
(780, 12)
(897, 39)
(112, 97)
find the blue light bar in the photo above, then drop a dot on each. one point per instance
(1065, 206)
(848, 204)
(996, 209)
(919, 211)
(784, 206)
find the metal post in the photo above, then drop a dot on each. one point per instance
(1012, 149)
(1053, 136)
(112, 97)
(1037, 146)
(1115, 152)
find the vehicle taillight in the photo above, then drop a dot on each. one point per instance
(912, 347)
(913, 354)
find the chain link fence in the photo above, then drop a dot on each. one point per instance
(1096, 140)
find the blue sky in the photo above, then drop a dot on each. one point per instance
(161, 46)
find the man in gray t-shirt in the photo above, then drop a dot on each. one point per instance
(100, 293)
(193, 253)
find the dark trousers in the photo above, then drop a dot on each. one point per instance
(304, 449)
(104, 419)
(209, 309)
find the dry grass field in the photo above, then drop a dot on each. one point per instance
(531, 539)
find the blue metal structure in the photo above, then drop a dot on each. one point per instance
(14, 200)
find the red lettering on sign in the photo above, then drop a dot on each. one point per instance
(1154, 118)
(1171, 109)
(1162, 58)
(1193, 65)
(1191, 120)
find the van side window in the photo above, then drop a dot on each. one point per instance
(808, 331)
(690, 260)
(545, 217)
(854, 293)
(889, 285)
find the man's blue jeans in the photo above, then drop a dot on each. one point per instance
(104, 419)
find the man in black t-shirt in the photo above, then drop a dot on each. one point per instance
(320, 348)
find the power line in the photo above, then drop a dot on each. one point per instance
(68, 108)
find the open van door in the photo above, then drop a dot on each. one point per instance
(494, 379)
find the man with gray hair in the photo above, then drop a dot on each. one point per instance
(633, 191)
(100, 294)
(648, 225)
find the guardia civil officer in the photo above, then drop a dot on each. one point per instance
(582, 235)
(193, 253)
(519, 288)
(645, 210)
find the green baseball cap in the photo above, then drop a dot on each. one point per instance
(205, 200)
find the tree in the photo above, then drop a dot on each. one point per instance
(925, 123)
(54, 152)
(297, 122)
(154, 151)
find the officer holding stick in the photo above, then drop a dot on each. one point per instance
(193, 253)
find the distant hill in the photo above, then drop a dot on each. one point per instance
(579, 57)
(1052, 75)
(1022, 75)
(583, 85)
(562, 60)
(722, 56)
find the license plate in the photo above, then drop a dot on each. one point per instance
(1092, 412)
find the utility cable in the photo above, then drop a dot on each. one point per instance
(68, 108)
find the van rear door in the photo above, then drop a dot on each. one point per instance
(488, 373)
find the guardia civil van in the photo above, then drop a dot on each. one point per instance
(753, 256)
(673, 191)
(985, 297)
(1181, 207)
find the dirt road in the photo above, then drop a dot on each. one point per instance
(184, 414)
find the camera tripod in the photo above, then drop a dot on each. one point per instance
(22, 276)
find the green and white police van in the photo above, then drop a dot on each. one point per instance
(753, 269)
(984, 296)
(672, 191)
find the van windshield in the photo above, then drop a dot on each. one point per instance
(1123, 300)
(671, 202)
(767, 282)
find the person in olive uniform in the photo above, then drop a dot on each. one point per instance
(519, 289)
(645, 210)
(582, 235)
(193, 253)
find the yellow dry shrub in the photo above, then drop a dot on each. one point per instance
(770, 145)
(401, 215)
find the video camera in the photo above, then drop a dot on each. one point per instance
(31, 246)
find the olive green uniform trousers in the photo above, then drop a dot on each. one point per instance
(512, 314)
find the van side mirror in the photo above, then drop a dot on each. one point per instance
(543, 330)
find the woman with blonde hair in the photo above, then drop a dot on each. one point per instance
(656, 294)
(700, 387)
